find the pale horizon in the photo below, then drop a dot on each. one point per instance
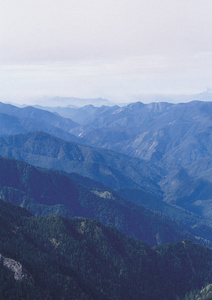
(117, 50)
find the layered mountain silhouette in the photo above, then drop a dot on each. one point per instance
(145, 170)
(172, 134)
(111, 168)
(46, 192)
(175, 137)
(17, 120)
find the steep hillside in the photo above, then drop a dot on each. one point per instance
(176, 134)
(175, 137)
(174, 140)
(45, 192)
(111, 168)
(56, 258)
(132, 178)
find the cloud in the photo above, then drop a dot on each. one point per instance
(117, 79)
(69, 29)
(113, 48)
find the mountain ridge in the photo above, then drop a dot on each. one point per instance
(108, 167)
(83, 259)
(46, 192)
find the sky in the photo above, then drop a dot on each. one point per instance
(114, 49)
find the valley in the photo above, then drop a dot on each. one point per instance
(142, 169)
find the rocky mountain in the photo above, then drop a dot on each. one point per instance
(80, 258)
(204, 294)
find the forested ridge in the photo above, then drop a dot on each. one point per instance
(82, 259)
(46, 192)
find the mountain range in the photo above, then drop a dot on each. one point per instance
(68, 101)
(111, 168)
(186, 195)
(142, 169)
(46, 192)
(15, 120)
(173, 137)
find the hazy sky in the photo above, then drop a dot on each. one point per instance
(116, 49)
